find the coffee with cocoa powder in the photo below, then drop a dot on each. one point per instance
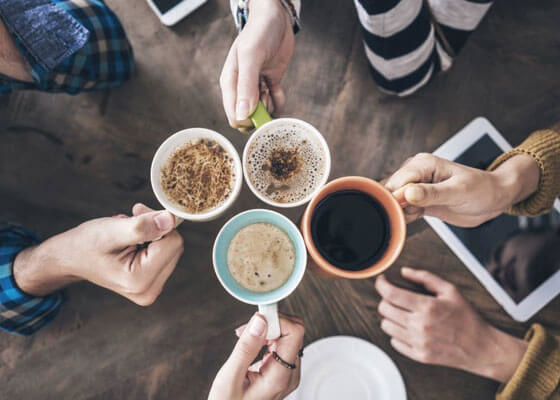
(286, 163)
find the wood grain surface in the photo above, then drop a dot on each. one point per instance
(65, 159)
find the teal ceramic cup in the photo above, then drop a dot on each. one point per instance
(267, 302)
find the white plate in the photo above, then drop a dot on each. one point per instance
(346, 367)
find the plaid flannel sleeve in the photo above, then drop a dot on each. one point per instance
(20, 313)
(102, 56)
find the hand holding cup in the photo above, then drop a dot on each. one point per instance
(119, 253)
(267, 379)
(460, 195)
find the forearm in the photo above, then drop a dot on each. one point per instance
(37, 272)
(502, 352)
(12, 63)
(544, 148)
(518, 178)
(271, 8)
(537, 375)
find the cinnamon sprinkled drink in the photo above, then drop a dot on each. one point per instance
(198, 176)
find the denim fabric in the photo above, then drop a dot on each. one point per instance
(48, 32)
(105, 61)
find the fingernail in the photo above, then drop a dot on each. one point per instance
(257, 326)
(406, 270)
(164, 221)
(242, 111)
(414, 194)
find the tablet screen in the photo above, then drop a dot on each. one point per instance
(519, 252)
(166, 5)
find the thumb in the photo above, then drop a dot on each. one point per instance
(428, 194)
(247, 348)
(247, 87)
(140, 228)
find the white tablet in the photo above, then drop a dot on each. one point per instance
(172, 11)
(498, 252)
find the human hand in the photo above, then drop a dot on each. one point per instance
(119, 253)
(256, 63)
(444, 329)
(460, 195)
(267, 379)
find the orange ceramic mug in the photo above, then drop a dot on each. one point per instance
(397, 228)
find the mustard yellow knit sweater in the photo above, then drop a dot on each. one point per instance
(538, 375)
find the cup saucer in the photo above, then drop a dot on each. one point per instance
(346, 367)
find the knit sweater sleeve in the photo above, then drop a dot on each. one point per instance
(538, 375)
(544, 147)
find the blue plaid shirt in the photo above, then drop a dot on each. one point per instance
(70, 45)
(19, 312)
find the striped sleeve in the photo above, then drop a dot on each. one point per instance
(21, 313)
(406, 41)
(457, 19)
(400, 44)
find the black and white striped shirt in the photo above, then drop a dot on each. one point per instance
(407, 42)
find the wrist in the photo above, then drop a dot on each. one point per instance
(517, 179)
(504, 354)
(269, 10)
(37, 271)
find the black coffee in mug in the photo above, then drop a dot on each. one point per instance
(350, 229)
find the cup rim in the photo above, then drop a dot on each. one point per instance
(396, 221)
(161, 155)
(299, 275)
(323, 181)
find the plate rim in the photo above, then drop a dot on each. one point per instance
(361, 341)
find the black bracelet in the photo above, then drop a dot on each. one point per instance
(282, 362)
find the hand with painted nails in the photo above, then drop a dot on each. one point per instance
(256, 63)
(120, 253)
(267, 379)
(460, 195)
(443, 328)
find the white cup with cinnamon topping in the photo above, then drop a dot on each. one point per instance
(196, 174)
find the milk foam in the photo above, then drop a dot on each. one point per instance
(261, 257)
(289, 136)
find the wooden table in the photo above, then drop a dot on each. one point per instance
(66, 159)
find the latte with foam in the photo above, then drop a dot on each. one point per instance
(261, 257)
(286, 163)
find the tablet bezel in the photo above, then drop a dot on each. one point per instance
(178, 12)
(544, 293)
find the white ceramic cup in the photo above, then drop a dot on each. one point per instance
(309, 130)
(165, 151)
(266, 301)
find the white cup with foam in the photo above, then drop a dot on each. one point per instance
(268, 130)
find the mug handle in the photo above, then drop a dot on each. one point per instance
(260, 116)
(270, 313)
